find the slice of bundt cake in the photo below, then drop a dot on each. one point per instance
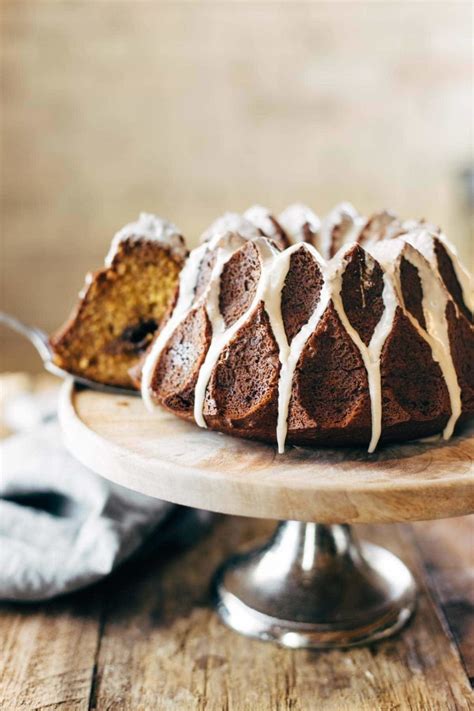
(122, 305)
(370, 341)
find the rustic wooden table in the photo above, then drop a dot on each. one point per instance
(147, 638)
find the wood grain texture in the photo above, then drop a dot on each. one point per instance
(162, 456)
(448, 555)
(48, 654)
(146, 638)
(218, 670)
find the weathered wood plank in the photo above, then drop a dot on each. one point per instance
(48, 653)
(163, 647)
(447, 548)
(146, 638)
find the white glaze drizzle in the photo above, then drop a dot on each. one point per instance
(434, 302)
(231, 222)
(422, 238)
(187, 281)
(370, 354)
(260, 217)
(221, 336)
(225, 245)
(290, 353)
(274, 269)
(463, 276)
(294, 218)
(343, 211)
(149, 227)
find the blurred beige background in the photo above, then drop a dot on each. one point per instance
(188, 110)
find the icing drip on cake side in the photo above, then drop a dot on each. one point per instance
(463, 276)
(435, 301)
(221, 336)
(290, 354)
(422, 239)
(226, 244)
(370, 354)
(187, 282)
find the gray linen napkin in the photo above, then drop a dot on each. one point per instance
(61, 526)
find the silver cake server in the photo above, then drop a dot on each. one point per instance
(40, 341)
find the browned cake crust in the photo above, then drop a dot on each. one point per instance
(330, 403)
(119, 310)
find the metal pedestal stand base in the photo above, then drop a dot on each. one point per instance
(313, 585)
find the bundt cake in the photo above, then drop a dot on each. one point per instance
(122, 305)
(357, 333)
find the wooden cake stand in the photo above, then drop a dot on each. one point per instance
(312, 584)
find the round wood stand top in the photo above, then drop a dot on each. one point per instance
(159, 455)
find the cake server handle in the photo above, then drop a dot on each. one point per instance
(37, 337)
